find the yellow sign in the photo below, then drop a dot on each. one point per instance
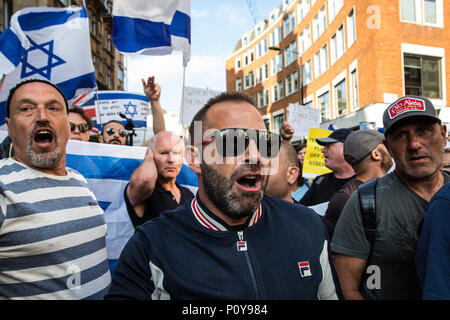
(314, 162)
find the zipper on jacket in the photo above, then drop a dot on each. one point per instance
(242, 246)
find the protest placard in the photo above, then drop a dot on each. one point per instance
(302, 118)
(314, 163)
(193, 100)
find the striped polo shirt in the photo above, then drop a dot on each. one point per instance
(52, 236)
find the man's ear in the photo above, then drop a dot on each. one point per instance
(7, 124)
(376, 154)
(193, 158)
(292, 174)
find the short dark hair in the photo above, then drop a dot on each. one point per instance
(80, 111)
(224, 96)
(116, 121)
(18, 85)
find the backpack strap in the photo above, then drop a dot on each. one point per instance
(367, 205)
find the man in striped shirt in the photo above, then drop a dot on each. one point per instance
(52, 230)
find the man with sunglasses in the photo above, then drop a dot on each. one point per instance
(113, 132)
(80, 124)
(230, 242)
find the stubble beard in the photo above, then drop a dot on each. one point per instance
(46, 159)
(219, 190)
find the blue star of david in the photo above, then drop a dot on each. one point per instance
(52, 60)
(133, 112)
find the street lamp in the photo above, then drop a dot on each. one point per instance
(300, 69)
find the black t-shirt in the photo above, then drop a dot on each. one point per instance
(323, 188)
(160, 200)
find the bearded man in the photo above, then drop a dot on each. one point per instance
(231, 241)
(52, 229)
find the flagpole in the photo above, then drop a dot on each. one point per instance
(182, 102)
(98, 109)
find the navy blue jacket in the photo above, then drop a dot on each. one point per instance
(189, 253)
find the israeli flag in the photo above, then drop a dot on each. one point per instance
(108, 169)
(110, 104)
(152, 27)
(51, 44)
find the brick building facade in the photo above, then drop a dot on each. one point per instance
(108, 62)
(349, 58)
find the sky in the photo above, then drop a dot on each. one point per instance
(216, 26)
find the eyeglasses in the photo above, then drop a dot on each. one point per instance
(111, 131)
(232, 142)
(82, 127)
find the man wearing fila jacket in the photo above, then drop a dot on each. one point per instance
(230, 242)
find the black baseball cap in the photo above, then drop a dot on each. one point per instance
(338, 135)
(359, 144)
(408, 106)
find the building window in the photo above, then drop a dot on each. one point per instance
(324, 106)
(333, 8)
(277, 91)
(340, 91)
(277, 122)
(275, 37)
(290, 53)
(289, 24)
(321, 61)
(292, 83)
(267, 124)
(120, 73)
(304, 39)
(408, 10)
(423, 76)
(249, 80)
(351, 29)
(249, 57)
(239, 84)
(354, 89)
(5, 15)
(262, 73)
(261, 48)
(263, 98)
(237, 63)
(276, 64)
(428, 12)
(319, 23)
(337, 45)
(307, 72)
(302, 10)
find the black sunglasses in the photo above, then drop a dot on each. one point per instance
(111, 131)
(232, 142)
(82, 127)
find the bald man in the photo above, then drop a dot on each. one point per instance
(153, 187)
(284, 181)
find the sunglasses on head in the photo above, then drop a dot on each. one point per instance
(111, 131)
(232, 142)
(82, 127)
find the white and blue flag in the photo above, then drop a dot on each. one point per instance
(152, 27)
(109, 104)
(51, 44)
(107, 169)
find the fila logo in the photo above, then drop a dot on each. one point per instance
(242, 246)
(305, 270)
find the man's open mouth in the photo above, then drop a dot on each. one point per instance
(43, 137)
(249, 182)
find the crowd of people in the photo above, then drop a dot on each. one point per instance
(250, 231)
